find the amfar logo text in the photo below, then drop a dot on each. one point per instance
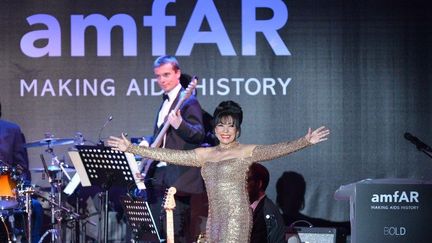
(396, 197)
(205, 10)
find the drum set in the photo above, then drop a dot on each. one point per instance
(18, 196)
(8, 182)
(14, 200)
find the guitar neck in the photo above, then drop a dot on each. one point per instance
(158, 140)
(170, 226)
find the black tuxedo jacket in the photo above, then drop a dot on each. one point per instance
(12, 150)
(188, 136)
(268, 225)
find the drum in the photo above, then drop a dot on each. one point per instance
(8, 197)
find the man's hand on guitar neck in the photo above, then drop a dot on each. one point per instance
(175, 119)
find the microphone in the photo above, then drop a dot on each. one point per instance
(101, 142)
(417, 142)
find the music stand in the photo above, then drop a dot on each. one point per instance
(102, 166)
(141, 220)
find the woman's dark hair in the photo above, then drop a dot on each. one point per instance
(226, 109)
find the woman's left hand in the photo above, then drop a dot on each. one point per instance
(318, 135)
(120, 144)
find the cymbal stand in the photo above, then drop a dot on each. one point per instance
(62, 167)
(56, 163)
(55, 181)
(8, 234)
(55, 233)
(28, 206)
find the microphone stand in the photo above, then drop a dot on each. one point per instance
(421, 146)
(425, 149)
(427, 152)
(104, 196)
(101, 142)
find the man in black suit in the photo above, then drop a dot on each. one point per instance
(12, 151)
(186, 132)
(13, 157)
(268, 225)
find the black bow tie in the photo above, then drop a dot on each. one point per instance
(165, 97)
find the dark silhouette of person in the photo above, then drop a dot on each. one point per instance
(291, 189)
(209, 138)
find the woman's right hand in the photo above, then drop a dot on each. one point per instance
(318, 135)
(119, 144)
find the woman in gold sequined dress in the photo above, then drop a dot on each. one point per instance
(224, 169)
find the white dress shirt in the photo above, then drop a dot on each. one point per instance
(164, 111)
(167, 104)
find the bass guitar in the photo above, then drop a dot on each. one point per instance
(158, 140)
(169, 206)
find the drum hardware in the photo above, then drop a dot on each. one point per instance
(55, 200)
(2, 218)
(56, 171)
(56, 164)
(11, 200)
(53, 169)
(55, 180)
(49, 142)
(15, 195)
(14, 233)
(79, 139)
(70, 214)
(28, 192)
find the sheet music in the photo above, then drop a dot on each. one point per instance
(139, 182)
(72, 185)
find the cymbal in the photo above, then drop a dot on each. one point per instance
(49, 142)
(53, 168)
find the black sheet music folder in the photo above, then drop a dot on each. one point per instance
(100, 165)
(140, 220)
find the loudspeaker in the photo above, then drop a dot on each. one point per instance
(313, 235)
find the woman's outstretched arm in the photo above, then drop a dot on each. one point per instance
(179, 157)
(274, 151)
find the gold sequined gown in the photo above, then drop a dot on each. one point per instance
(229, 217)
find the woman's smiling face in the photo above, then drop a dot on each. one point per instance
(226, 130)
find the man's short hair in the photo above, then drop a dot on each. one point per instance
(258, 172)
(165, 60)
